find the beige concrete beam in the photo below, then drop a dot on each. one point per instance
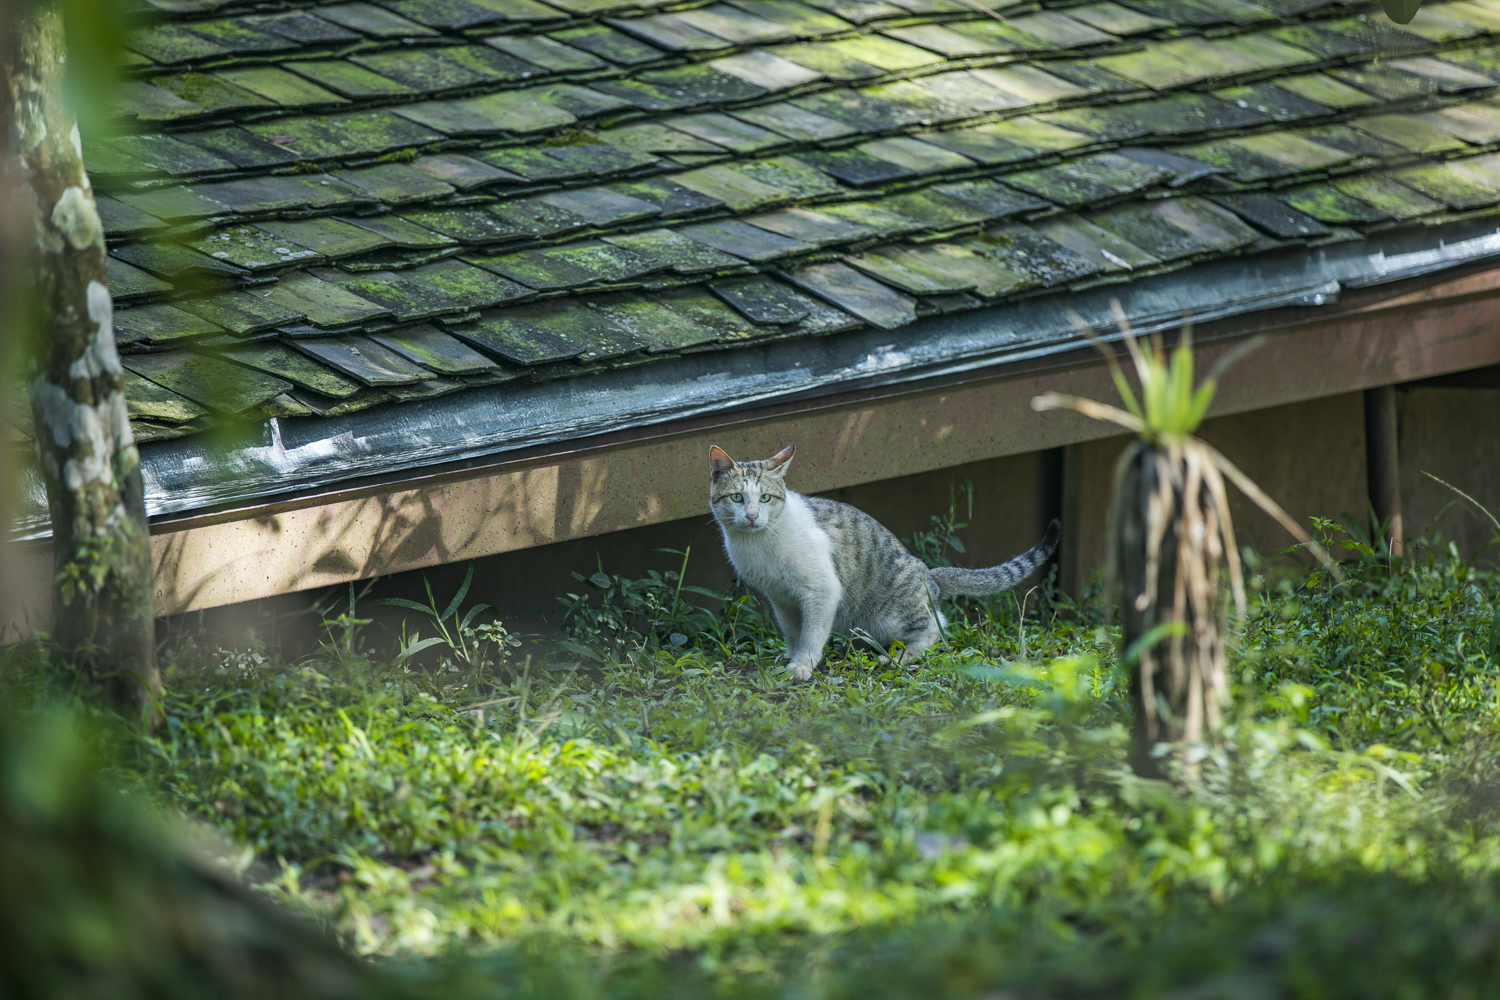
(225, 558)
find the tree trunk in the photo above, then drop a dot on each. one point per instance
(101, 592)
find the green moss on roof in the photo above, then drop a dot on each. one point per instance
(569, 185)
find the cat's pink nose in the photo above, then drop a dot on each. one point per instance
(751, 517)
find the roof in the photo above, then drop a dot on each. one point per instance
(316, 210)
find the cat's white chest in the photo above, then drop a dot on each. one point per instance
(791, 558)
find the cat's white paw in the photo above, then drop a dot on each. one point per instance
(801, 671)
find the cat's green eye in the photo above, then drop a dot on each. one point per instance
(765, 498)
(737, 497)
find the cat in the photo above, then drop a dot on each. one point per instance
(827, 566)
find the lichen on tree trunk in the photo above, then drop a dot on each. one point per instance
(101, 594)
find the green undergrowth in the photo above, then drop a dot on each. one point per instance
(648, 806)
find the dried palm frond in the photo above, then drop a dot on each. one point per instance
(1170, 531)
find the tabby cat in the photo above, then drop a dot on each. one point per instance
(825, 565)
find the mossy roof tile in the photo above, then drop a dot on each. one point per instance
(1328, 204)
(401, 232)
(1039, 259)
(242, 148)
(367, 19)
(609, 44)
(1136, 223)
(743, 240)
(573, 266)
(349, 79)
(599, 180)
(177, 264)
(293, 366)
(798, 124)
(508, 337)
(671, 33)
(330, 237)
(171, 156)
(1384, 83)
(735, 24)
(129, 282)
(548, 53)
(275, 84)
(1091, 242)
(1410, 133)
(1117, 20)
(726, 132)
(210, 93)
(1200, 13)
(1272, 102)
(1388, 195)
(800, 19)
(159, 323)
(672, 199)
(168, 44)
(1475, 124)
(763, 300)
(363, 360)
(811, 227)
(241, 313)
(434, 350)
(852, 291)
(305, 28)
(208, 381)
(1061, 30)
(936, 269)
(1274, 216)
(145, 400)
(253, 249)
(682, 254)
(323, 304)
(657, 327)
(1001, 33)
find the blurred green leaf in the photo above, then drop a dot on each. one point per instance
(1401, 11)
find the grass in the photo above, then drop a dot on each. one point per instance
(647, 806)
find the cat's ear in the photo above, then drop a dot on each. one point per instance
(778, 462)
(719, 462)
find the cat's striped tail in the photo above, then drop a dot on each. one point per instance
(955, 582)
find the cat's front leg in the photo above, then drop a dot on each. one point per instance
(817, 625)
(789, 617)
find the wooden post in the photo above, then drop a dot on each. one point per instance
(1383, 466)
(1071, 573)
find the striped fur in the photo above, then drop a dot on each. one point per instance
(826, 566)
(955, 582)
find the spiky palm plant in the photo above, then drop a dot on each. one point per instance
(1170, 537)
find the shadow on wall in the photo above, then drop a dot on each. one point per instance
(318, 546)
